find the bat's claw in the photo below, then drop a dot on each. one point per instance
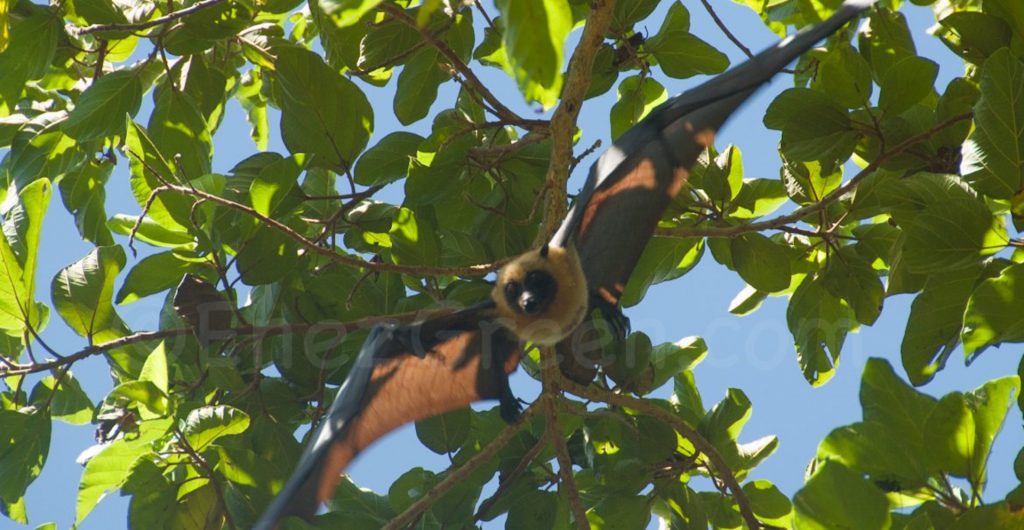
(612, 315)
(510, 406)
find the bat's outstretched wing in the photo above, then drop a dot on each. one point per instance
(402, 374)
(633, 181)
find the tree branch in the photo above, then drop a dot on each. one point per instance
(170, 17)
(699, 442)
(800, 213)
(563, 121)
(460, 474)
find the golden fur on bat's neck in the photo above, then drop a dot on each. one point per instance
(563, 314)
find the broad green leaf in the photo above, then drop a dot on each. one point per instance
(104, 106)
(363, 507)
(152, 402)
(111, 467)
(671, 358)
(952, 233)
(346, 13)
(266, 257)
(29, 51)
(68, 402)
(936, 319)
(153, 274)
(154, 370)
(322, 113)
(446, 432)
(150, 169)
(993, 314)
(1009, 11)
(179, 131)
(625, 14)
(388, 160)
(1002, 515)
(761, 262)
(906, 83)
(854, 280)
(885, 40)
(663, 259)
(747, 301)
(845, 76)
(722, 178)
(757, 197)
(819, 323)
(205, 425)
(619, 512)
(535, 34)
(638, 96)
(680, 54)
(990, 404)
(770, 505)
(84, 195)
(808, 182)
(995, 158)
(24, 444)
(535, 509)
(417, 86)
(83, 291)
(974, 35)
(813, 126)
(837, 498)
(413, 241)
(952, 435)
(274, 183)
(150, 231)
(19, 248)
(41, 150)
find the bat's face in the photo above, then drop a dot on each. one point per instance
(542, 295)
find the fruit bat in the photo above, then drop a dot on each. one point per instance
(449, 360)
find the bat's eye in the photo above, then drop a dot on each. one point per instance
(512, 292)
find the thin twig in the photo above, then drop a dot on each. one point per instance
(510, 478)
(725, 29)
(800, 213)
(568, 482)
(460, 474)
(170, 17)
(201, 463)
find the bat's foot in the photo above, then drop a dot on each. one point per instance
(613, 315)
(510, 406)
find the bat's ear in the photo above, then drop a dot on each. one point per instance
(544, 251)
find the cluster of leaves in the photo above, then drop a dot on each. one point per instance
(199, 434)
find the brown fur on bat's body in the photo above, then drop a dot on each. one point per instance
(407, 373)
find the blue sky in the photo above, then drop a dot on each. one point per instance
(753, 353)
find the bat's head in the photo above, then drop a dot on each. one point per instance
(541, 296)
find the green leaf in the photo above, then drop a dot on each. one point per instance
(770, 505)
(680, 54)
(153, 274)
(266, 257)
(151, 400)
(836, 498)
(813, 126)
(19, 249)
(68, 402)
(150, 231)
(974, 35)
(535, 509)
(111, 467)
(29, 51)
(83, 291)
(149, 170)
(638, 96)
(322, 113)
(936, 319)
(84, 195)
(154, 370)
(819, 323)
(535, 34)
(413, 243)
(994, 157)
(388, 160)
(619, 512)
(854, 280)
(844, 75)
(625, 14)
(952, 232)
(756, 198)
(885, 40)
(274, 183)
(205, 425)
(346, 13)
(24, 444)
(444, 433)
(671, 358)
(761, 262)
(723, 176)
(663, 259)
(362, 507)
(993, 313)
(178, 130)
(906, 83)
(103, 107)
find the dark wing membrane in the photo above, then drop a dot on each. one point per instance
(632, 182)
(402, 374)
